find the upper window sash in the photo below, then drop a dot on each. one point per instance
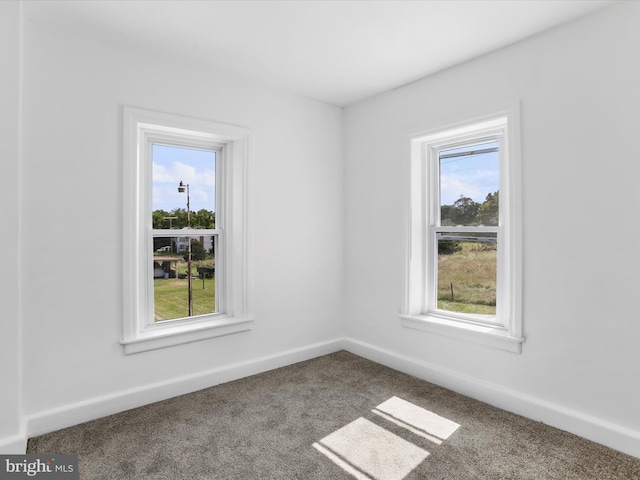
(431, 156)
(160, 135)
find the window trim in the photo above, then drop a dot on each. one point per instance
(140, 128)
(423, 211)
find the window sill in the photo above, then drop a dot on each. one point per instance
(488, 336)
(161, 336)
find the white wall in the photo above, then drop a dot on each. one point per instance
(10, 440)
(578, 87)
(74, 90)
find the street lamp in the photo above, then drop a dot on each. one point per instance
(181, 189)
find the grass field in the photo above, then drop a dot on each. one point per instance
(171, 296)
(472, 272)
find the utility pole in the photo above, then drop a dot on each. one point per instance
(181, 189)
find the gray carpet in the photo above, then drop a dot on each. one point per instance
(266, 426)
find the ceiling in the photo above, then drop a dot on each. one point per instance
(338, 52)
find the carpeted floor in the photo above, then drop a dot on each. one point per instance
(334, 417)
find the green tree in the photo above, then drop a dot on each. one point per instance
(158, 219)
(465, 211)
(181, 221)
(447, 214)
(197, 251)
(200, 219)
(488, 214)
(447, 247)
(203, 219)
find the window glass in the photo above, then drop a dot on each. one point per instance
(469, 185)
(467, 259)
(467, 272)
(183, 198)
(171, 281)
(196, 171)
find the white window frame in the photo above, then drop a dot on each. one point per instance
(420, 303)
(142, 128)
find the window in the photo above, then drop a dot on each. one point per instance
(185, 204)
(463, 255)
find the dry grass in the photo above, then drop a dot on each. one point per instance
(472, 272)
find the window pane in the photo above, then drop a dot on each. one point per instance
(467, 266)
(469, 184)
(183, 176)
(171, 284)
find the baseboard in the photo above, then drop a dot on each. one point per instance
(592, 428)
(93, 408)
(586, 426)
(14, 445)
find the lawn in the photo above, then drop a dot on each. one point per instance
(471, 274)
(171, 297)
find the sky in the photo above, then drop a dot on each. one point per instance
(472, 176)
(171, 165)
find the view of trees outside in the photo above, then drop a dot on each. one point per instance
(467, 259)
(196, 170)
(465, 211)
(177, 218)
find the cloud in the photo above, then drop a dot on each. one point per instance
(452, 187)
(166, 178)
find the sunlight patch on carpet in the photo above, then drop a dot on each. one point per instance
(368, 451)
(416, 419)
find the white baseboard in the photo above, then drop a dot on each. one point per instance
(592, 428)
(14, 445)
(93, 408)
(606, 433)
